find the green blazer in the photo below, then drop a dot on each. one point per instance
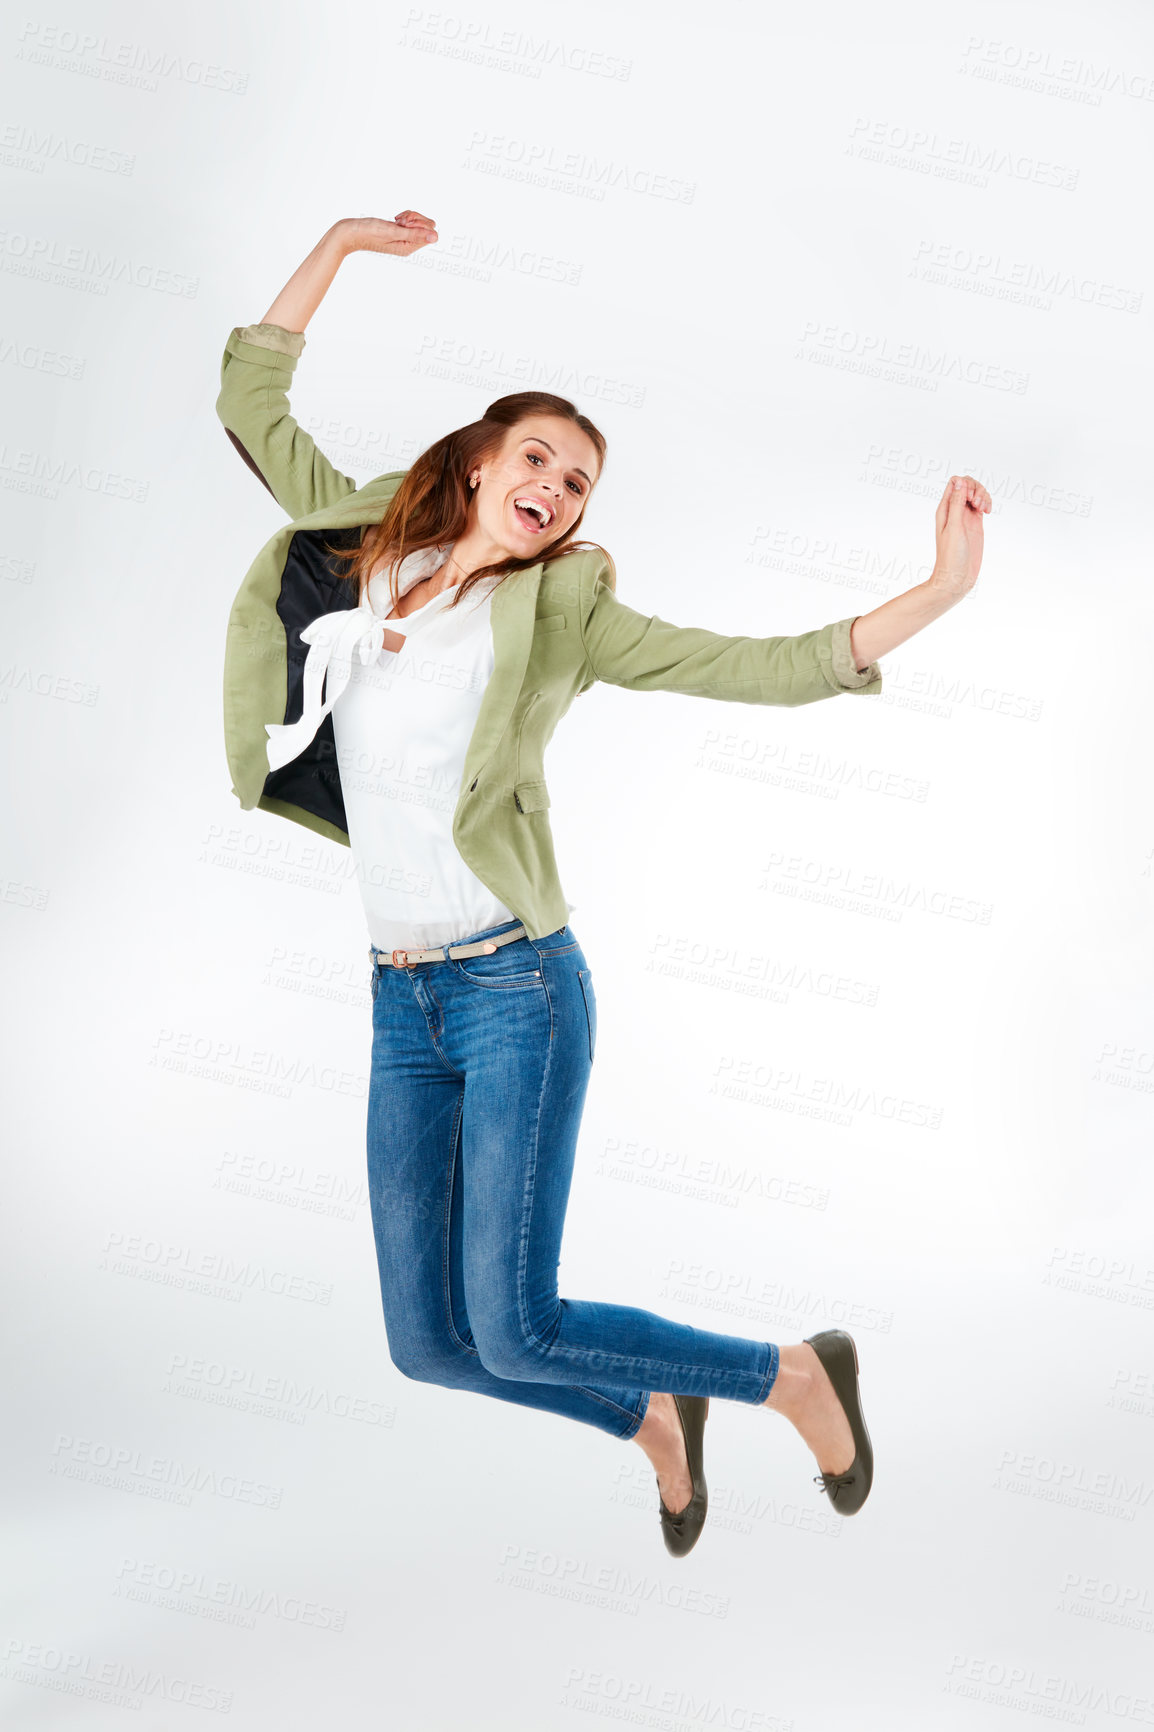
(557, 628)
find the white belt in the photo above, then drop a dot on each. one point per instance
(443, 952)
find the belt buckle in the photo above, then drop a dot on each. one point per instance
(397, 954)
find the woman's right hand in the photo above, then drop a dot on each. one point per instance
(407, 234)
(958, 532)
(310, 282)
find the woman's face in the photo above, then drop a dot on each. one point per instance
(549, 464)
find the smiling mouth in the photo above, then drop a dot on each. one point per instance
(533, 515)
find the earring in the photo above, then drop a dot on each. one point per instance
(472, 481)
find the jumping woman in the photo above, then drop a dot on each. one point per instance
(397, 660)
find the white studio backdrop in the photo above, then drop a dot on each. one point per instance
(876, 1043)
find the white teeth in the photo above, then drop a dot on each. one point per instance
(544, 513)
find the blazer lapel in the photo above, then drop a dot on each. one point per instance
(513, 610)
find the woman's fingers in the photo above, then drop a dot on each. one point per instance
(971, 491)
(401, 235)
(421, 230)
(415, 219)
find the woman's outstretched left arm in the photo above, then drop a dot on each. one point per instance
(958, 528)
(644, 652)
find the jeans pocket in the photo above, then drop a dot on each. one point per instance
(516, 964)
(585, 976)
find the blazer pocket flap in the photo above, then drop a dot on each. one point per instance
(551, 622)
(531, 796)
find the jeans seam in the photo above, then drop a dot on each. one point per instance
(583, 976)
(447, 1217)
(614, 1406)
(434, 1039)
(511, 982)
(639, 1414)
(771, 1374)
(629, 1362)
(528, 1196)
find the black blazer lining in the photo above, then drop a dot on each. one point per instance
(311, 584)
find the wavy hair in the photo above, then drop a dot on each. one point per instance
(431, 505)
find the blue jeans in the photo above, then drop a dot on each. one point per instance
(480, 1068)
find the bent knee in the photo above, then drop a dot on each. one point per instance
(510, 1353)
(439, 1361)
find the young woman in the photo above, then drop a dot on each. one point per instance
(398, 658)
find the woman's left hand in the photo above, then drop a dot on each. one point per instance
(958, 525)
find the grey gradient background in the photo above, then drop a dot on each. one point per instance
(876, 1048)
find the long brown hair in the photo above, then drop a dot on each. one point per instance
(432, 503)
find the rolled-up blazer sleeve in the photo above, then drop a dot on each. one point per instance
(646, 653)
(255, 374)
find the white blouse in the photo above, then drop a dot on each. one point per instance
(402, 720)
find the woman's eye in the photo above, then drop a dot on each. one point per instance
(535, 457)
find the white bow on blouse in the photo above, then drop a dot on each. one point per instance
(334, 640)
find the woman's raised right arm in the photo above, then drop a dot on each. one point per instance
(259, 361)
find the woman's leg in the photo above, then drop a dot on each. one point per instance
(416, 1099)
(519, 1025)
